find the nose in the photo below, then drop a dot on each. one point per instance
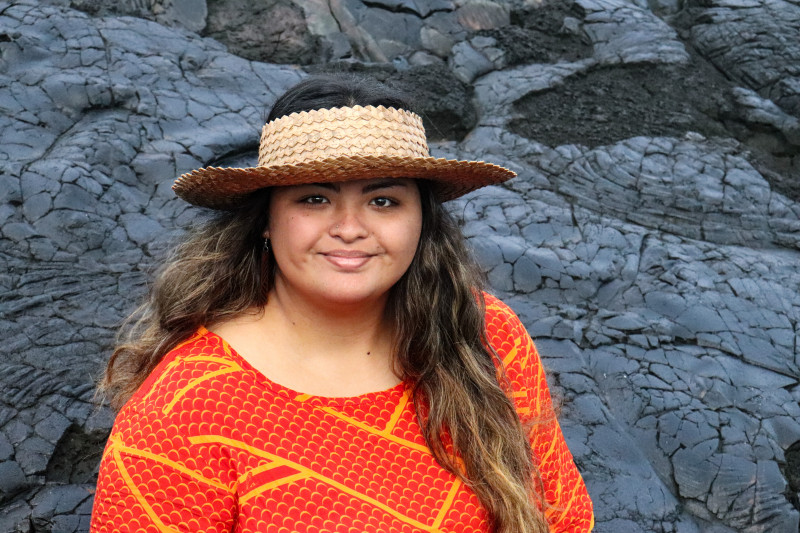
(348, 225)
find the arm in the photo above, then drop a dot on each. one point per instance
(152, 478)
(138, 490)
(569, 507)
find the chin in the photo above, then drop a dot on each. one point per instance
(352, 296)
(352, 299)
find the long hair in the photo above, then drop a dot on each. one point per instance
(436, 310)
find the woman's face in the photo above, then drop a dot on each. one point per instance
(343, 243)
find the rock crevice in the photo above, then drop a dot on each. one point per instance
(650, 242)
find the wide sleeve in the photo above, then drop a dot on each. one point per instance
(152, 477)
(569, 508)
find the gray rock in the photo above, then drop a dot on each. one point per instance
(6, 449)
(527, 275)
(422, 59)
(421, 9)
(16, 518)
(435, 41)
(650, 244)
(53, 500)
(786, 430)
(496, 91)
(762, 112)
(700, 319)
(16, 431)
(622, 32)
(755, 42)
(626, 322)
(482, 15)
(486, 252)
(191, 14)
(53, 427)
(12, 478)
(33, 454)
(242, 27)
(693, 210)
(501, 277)
(668, 304)
(141, 229)
(587, 408)
(468, 63)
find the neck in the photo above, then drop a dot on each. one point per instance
(342, 350)
(347, 330)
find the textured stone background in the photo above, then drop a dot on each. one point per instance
(651, 242)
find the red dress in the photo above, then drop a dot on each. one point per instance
(208, 443)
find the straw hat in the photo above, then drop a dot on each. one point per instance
(339, 144)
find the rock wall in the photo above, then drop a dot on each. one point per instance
(650, 242)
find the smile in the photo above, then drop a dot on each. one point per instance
(347, 259)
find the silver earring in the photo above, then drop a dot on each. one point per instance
(266, 246)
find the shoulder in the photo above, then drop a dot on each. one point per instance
(199, 369)
(497, 309)
(190, 393)
(520, 361)
(507, 335)
(154, 446)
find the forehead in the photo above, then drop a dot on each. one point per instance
(361, 185)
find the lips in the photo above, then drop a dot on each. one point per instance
(347, 259)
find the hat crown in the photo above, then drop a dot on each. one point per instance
(339, 144)
(317, 135)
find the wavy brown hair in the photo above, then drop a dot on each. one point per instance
(436, 309)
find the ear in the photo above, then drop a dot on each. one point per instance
(265, 234)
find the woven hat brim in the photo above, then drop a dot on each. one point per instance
(224, 188)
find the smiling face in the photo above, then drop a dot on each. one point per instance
(343, 243)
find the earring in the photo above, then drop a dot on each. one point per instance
(266, 246)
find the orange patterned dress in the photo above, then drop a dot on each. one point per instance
(208, 443)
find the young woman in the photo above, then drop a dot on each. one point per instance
(320, 357)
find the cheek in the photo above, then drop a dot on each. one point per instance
(283, 224)
(414, 241)
(293, 235)
(411, 235)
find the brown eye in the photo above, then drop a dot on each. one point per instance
(383, 202)
(314, 199)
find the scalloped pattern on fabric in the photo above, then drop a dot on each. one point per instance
(210, 444)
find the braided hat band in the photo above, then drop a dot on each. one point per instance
(339, 144)
(316, 135)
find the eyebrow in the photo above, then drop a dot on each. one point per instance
(381, 184)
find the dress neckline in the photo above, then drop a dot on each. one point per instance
(381, 396)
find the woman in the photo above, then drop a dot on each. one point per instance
(319, 357)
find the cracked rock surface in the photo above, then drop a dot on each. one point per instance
(650, 243)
